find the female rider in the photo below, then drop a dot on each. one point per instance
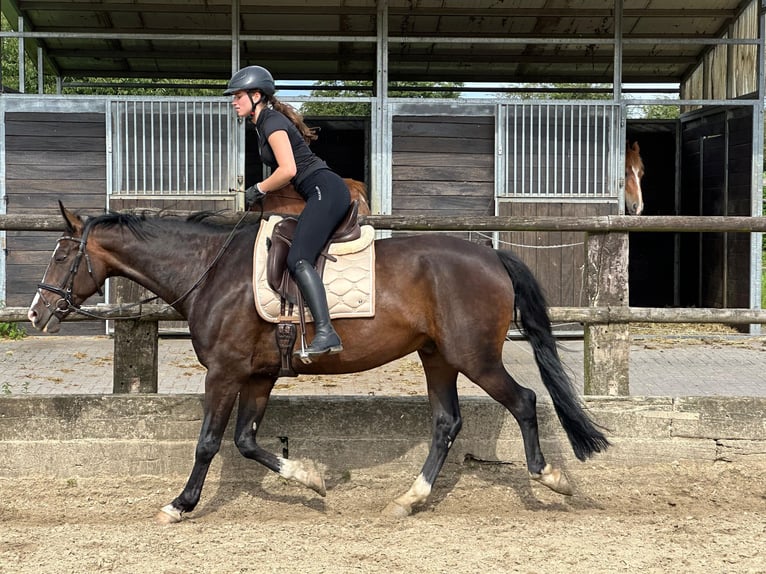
(283, 140)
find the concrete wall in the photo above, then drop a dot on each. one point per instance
(132, 435)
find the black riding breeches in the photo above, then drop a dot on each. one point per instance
(327, 202)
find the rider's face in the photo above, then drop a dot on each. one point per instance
(241, 103)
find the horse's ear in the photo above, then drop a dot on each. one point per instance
(636, 148)
(74, 222)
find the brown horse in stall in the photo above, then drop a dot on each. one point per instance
(450, 300)
(288, 201)
(634, 173)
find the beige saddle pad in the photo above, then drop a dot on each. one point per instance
(349, 281)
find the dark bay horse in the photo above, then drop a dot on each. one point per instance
(450, 300)
(288, 201)
(634, 173)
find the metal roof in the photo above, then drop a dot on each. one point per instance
(427, 40)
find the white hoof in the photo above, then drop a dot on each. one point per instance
(395, 510)
(168, 515)
(304, 472)
(553, 478)
(314, 478)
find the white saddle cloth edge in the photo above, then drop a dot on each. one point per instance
(349, 281)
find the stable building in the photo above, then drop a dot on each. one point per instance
(508, 151)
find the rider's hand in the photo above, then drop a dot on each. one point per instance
(253, 195)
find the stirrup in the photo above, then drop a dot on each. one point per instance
(305, 354)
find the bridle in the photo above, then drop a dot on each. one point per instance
(65, 303)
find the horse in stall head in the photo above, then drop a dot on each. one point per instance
(288, 201)
(634, 172)
(450, 300)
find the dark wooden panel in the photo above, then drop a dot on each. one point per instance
(55, 117)
(442, 173)
(556, 258)
(446, 205)
(55, 129)
(87, 186)
(440, 120)
(442, 159)
(55, 158)
(444, 145)
(38, 258)
(443, 166)
(445, 129)
(44, 143)
(438, 189)
(89, 203)
(26, 276)
(50, 157)
(56, 172)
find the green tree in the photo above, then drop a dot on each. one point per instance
(9, 48)
(330, 89)
(564, 91)
(660, 112)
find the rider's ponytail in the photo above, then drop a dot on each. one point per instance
(309, 134)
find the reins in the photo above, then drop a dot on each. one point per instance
(65, 293)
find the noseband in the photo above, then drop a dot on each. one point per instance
(65, 303)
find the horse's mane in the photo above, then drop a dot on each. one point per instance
(144, 224)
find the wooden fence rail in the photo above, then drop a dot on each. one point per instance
(607, 337)
(153, 313)
(603, 223)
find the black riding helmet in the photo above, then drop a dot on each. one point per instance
(251, 78)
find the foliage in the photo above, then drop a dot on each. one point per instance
(12, 331)
(330, 89)
(565, 91)
(661, 112)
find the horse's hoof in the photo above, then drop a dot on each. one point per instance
(314, 478)
(168, 515)
(553, 478)
(395, 510)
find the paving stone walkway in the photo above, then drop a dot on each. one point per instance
(727, 366)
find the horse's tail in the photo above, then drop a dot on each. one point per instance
(584, 436)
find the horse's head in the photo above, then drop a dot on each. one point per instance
(69, 279)
(634, 172)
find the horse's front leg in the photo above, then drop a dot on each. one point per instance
(253, 400)
(445, 412)
(220, 394)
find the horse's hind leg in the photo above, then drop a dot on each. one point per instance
(445, 412)
(522, 404)
(253, 399)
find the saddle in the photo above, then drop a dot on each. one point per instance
(277, 274)
(279, 279)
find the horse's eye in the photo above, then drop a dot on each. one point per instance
(60, 255)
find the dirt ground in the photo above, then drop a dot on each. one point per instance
(684, 516)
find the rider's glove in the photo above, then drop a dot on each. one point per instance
(253, 195)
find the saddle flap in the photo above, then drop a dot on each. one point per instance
(276, 262)
(278, 276)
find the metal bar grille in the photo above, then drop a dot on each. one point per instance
(170, 147)
(562, 150)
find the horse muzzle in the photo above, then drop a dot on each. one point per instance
(45, 317)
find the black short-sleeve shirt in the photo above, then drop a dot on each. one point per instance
(306, 161)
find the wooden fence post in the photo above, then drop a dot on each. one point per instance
(135, 356)
(607, 345)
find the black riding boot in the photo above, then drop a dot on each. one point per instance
(326, 340)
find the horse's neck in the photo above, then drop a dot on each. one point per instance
(166, 263)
